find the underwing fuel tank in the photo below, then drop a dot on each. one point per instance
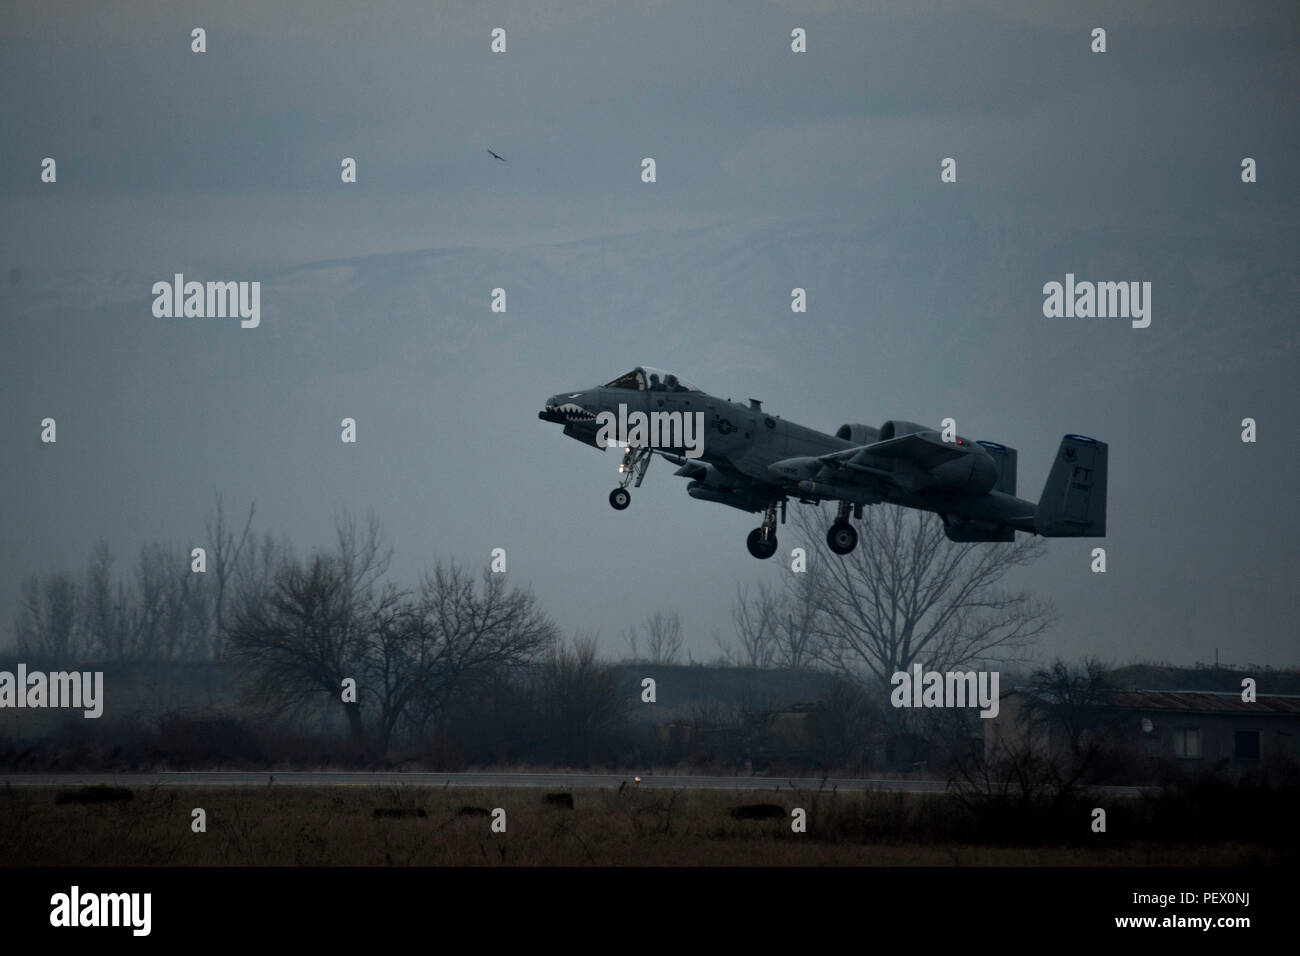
(736, 499)
(853, 493)
(797, 469)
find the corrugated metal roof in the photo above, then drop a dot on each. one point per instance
(1196, 701)
(1206, 702)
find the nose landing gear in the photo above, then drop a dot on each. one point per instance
(635, 463)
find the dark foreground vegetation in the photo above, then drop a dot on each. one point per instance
(1215, 825)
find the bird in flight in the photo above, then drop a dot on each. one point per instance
(495, 156)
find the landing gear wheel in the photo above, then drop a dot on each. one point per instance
(841, 538)
(620, 498)
(758, 547)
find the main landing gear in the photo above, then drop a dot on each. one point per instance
(635, 462)
(841, 537)
(762, 541)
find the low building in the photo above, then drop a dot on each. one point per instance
(1193, 730)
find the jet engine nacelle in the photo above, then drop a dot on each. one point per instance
(974, 473)
(896, 429)
(858, 434)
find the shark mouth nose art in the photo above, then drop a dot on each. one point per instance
(572, 412)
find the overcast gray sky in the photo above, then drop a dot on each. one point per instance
(775, 170)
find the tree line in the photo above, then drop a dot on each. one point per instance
(408, 664)
(158, 608)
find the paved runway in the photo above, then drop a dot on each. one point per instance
(551, 781)
(548, 781)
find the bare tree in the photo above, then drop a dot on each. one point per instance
(301, 639)
(105, 614)
(148, 611)
(1066, 704)
(580, 701)
(451, 638)
(189, 622)
(254, 574)
(227, 552)
(160, 614)
(1072, 703)
(29, 621)
(398, 658)
(843, 726)
(412, 654)
(909, 595)
(754, 615)
(774, 627)
(795, 618)
(363, 552)
(633, 641)
(49, 619)
(663, 637)
(315, 626)
(472, 630)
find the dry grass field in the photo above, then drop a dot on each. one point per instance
(413, 826)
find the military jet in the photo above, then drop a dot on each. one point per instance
(749, 459)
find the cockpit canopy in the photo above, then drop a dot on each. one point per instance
(644, 378)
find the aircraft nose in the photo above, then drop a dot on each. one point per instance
(568, 407)
(561, 399)
(551, 410)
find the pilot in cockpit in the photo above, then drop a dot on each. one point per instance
(655, 385)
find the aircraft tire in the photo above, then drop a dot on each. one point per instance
(620, 498)
(758, 547)
(841, 538)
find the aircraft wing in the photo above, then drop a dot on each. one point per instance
(724, 484)
(924, 452)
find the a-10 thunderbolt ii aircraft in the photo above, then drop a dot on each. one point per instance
(741, 456)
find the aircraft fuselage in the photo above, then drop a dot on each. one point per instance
(743, 456)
